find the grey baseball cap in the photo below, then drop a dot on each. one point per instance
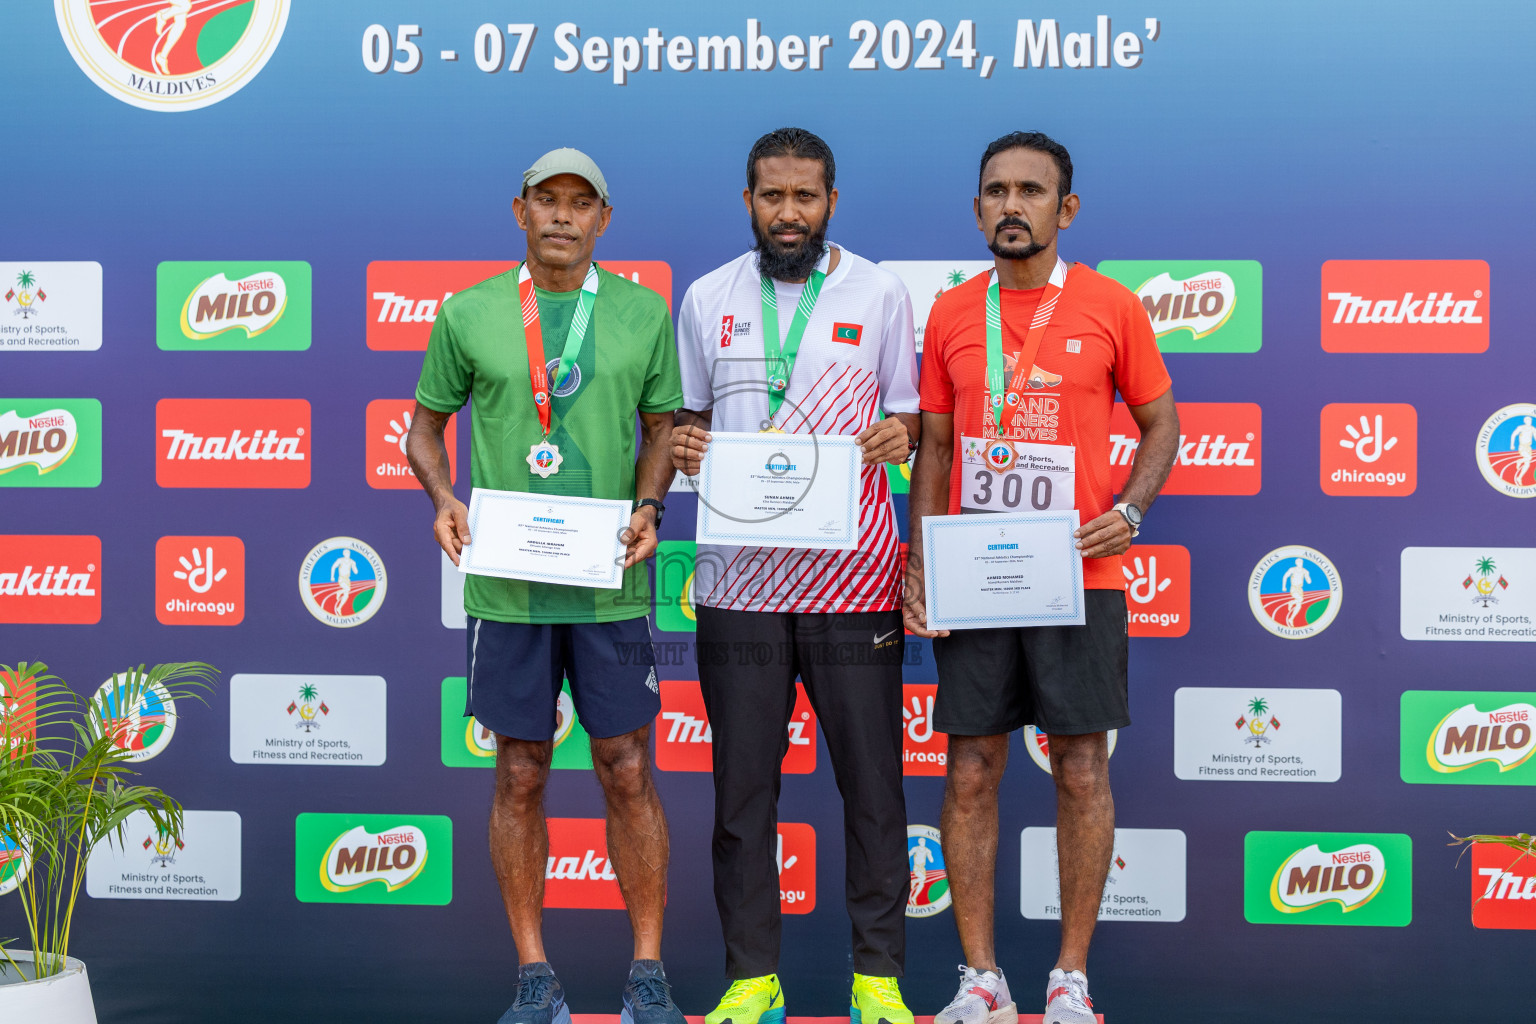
(566, 161)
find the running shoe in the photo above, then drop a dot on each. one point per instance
(648, 997)
(750, 1001)
(983, 999)
(540, 999)
(877, 1001)
(1066, 999)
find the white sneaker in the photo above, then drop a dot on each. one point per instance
(983, 999)
(1066, 999)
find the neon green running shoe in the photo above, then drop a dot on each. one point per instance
(752, 1001)
(877, 1001)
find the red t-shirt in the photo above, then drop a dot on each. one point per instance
(1099, 341)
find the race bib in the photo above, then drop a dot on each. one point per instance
(1017, 476)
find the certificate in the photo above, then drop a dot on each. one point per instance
(546, 538)
(1014, 569)
(780, 491)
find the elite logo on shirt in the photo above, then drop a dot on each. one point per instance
(1157, 589)
(373, 858)
(1405, 306)
(1197, 305)
(578, 873)
(727, 325)
(848, 334)
(797, 868)
(200, 581)
(238, 306)
(1351, 878)
(404, 296)
(1369, 450)
(684, 739)
(50, 579)
(1506, 450)
(174, 55)
(386, 424)
(1295, 592)
(1221, 448)
(1503, 887)
(924, 751)
(1468, 738)
(50, 442)
(232, 442)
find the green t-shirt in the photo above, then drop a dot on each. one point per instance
(628, 362)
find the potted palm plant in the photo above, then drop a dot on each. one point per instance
(65, 766)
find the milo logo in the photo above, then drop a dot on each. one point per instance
(1468, 738)
(1308, 878)
(358, 857)
(43, 440)
(250, 304)
(50, 442)
(1338, 878)
(373, 858)
(1197, 305)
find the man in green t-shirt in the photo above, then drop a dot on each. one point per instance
(559, 356)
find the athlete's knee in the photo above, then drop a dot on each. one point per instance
(522, 771)
(1080, 764)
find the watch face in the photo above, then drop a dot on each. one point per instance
(1133, 514)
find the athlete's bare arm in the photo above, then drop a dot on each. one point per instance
(428, 456)
(690, 439)
(1158, 419)
(653, 476)
(929, 497)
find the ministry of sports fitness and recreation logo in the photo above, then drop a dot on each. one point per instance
(1484, 582)
(1506, 450)
(1197, 305)
(25, 296)
(171, 55)
(1338, 878)
(1039, 746)
(137, 715)
(50, 442)
(162, 848)
(1295, 592)
(926, 280)
(373, 858)
(50, 305)
(928, 892)
(342, 582)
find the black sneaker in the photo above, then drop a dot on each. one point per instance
(540, 999)
(648, 997)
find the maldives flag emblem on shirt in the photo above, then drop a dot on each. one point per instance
(848, 334)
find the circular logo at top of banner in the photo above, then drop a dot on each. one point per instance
(928, 893)
(140, 718)
(171, 54)
(1506, 450)
(342, 582)
(1295, 592)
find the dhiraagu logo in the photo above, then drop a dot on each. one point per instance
(675, 587)
(233, 306)
(373, 858)
(1353, 878)
(465, 743)
(1197, 305)
(1468, 738)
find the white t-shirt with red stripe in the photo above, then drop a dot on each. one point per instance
(857, 358)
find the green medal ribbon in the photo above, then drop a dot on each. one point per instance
(781, 357)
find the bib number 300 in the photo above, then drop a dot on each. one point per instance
(1040, 478)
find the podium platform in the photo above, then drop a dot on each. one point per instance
(613, 1018)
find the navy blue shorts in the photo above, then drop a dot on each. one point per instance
(516, 670)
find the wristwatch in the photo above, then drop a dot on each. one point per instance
(1132, 516)
(661, 509)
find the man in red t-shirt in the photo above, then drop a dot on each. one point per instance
(1045, 447)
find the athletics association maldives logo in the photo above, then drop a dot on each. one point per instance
(138, 716)
(1295, 592)
(928, 893)
(342, 582)
(1506, 450)
(13, 863)
(171, 55)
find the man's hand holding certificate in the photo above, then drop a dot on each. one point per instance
(780, 490)
(1015, 569)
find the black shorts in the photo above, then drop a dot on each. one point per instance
(516, 670)
(1063, 680)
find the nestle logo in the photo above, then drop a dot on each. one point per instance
(232, 442)
(1405, 306)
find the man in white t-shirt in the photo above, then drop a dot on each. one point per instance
(840, 356)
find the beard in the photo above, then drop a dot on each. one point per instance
(789, 263)
(1013, 250)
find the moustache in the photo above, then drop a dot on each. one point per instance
(1012, 222)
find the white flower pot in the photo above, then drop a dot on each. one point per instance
(61, 999)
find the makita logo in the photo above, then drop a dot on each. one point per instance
(1405, 306)
(232, 442)
(44, 440)
(579, 872)
(1200, 304)
(684, 740)
(1310, 878)
(590, 866)
(1467, 737)
(50, 579)
(251, 304)
(402, 309)
(1503, 887)
(1220, 448)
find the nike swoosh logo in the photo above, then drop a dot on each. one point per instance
(879, 639)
